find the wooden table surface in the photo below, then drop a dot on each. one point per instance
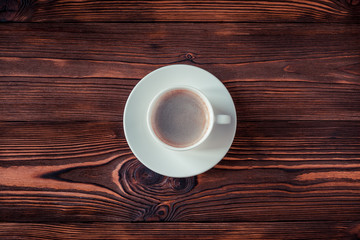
(68, 66)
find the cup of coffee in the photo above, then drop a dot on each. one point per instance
(182, 118)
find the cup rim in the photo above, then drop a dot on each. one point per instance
(208, 105)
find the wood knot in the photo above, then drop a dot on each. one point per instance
(156, 193)
(157, 213)
(289, 69)
(189, 56)
(143, 181)
(179, 184)
(147, 177)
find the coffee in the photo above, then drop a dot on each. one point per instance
(180, 118)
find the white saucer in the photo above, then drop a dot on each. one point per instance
(157, 157)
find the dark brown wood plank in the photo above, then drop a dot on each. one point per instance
(262, 230)
(161, 43)
(83, 72)
(275, 171)
(209, 11)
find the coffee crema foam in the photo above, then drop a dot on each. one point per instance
(180, 118)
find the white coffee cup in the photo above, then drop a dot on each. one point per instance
(182, 118)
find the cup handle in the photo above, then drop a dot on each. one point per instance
(223, 119)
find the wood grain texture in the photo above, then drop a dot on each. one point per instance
(191, 11)
(293, 171)
(210, 231)
(275, 171)
(84, 72)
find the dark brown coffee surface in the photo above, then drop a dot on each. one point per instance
(180, 118)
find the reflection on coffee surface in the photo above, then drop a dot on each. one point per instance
(180, 118)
